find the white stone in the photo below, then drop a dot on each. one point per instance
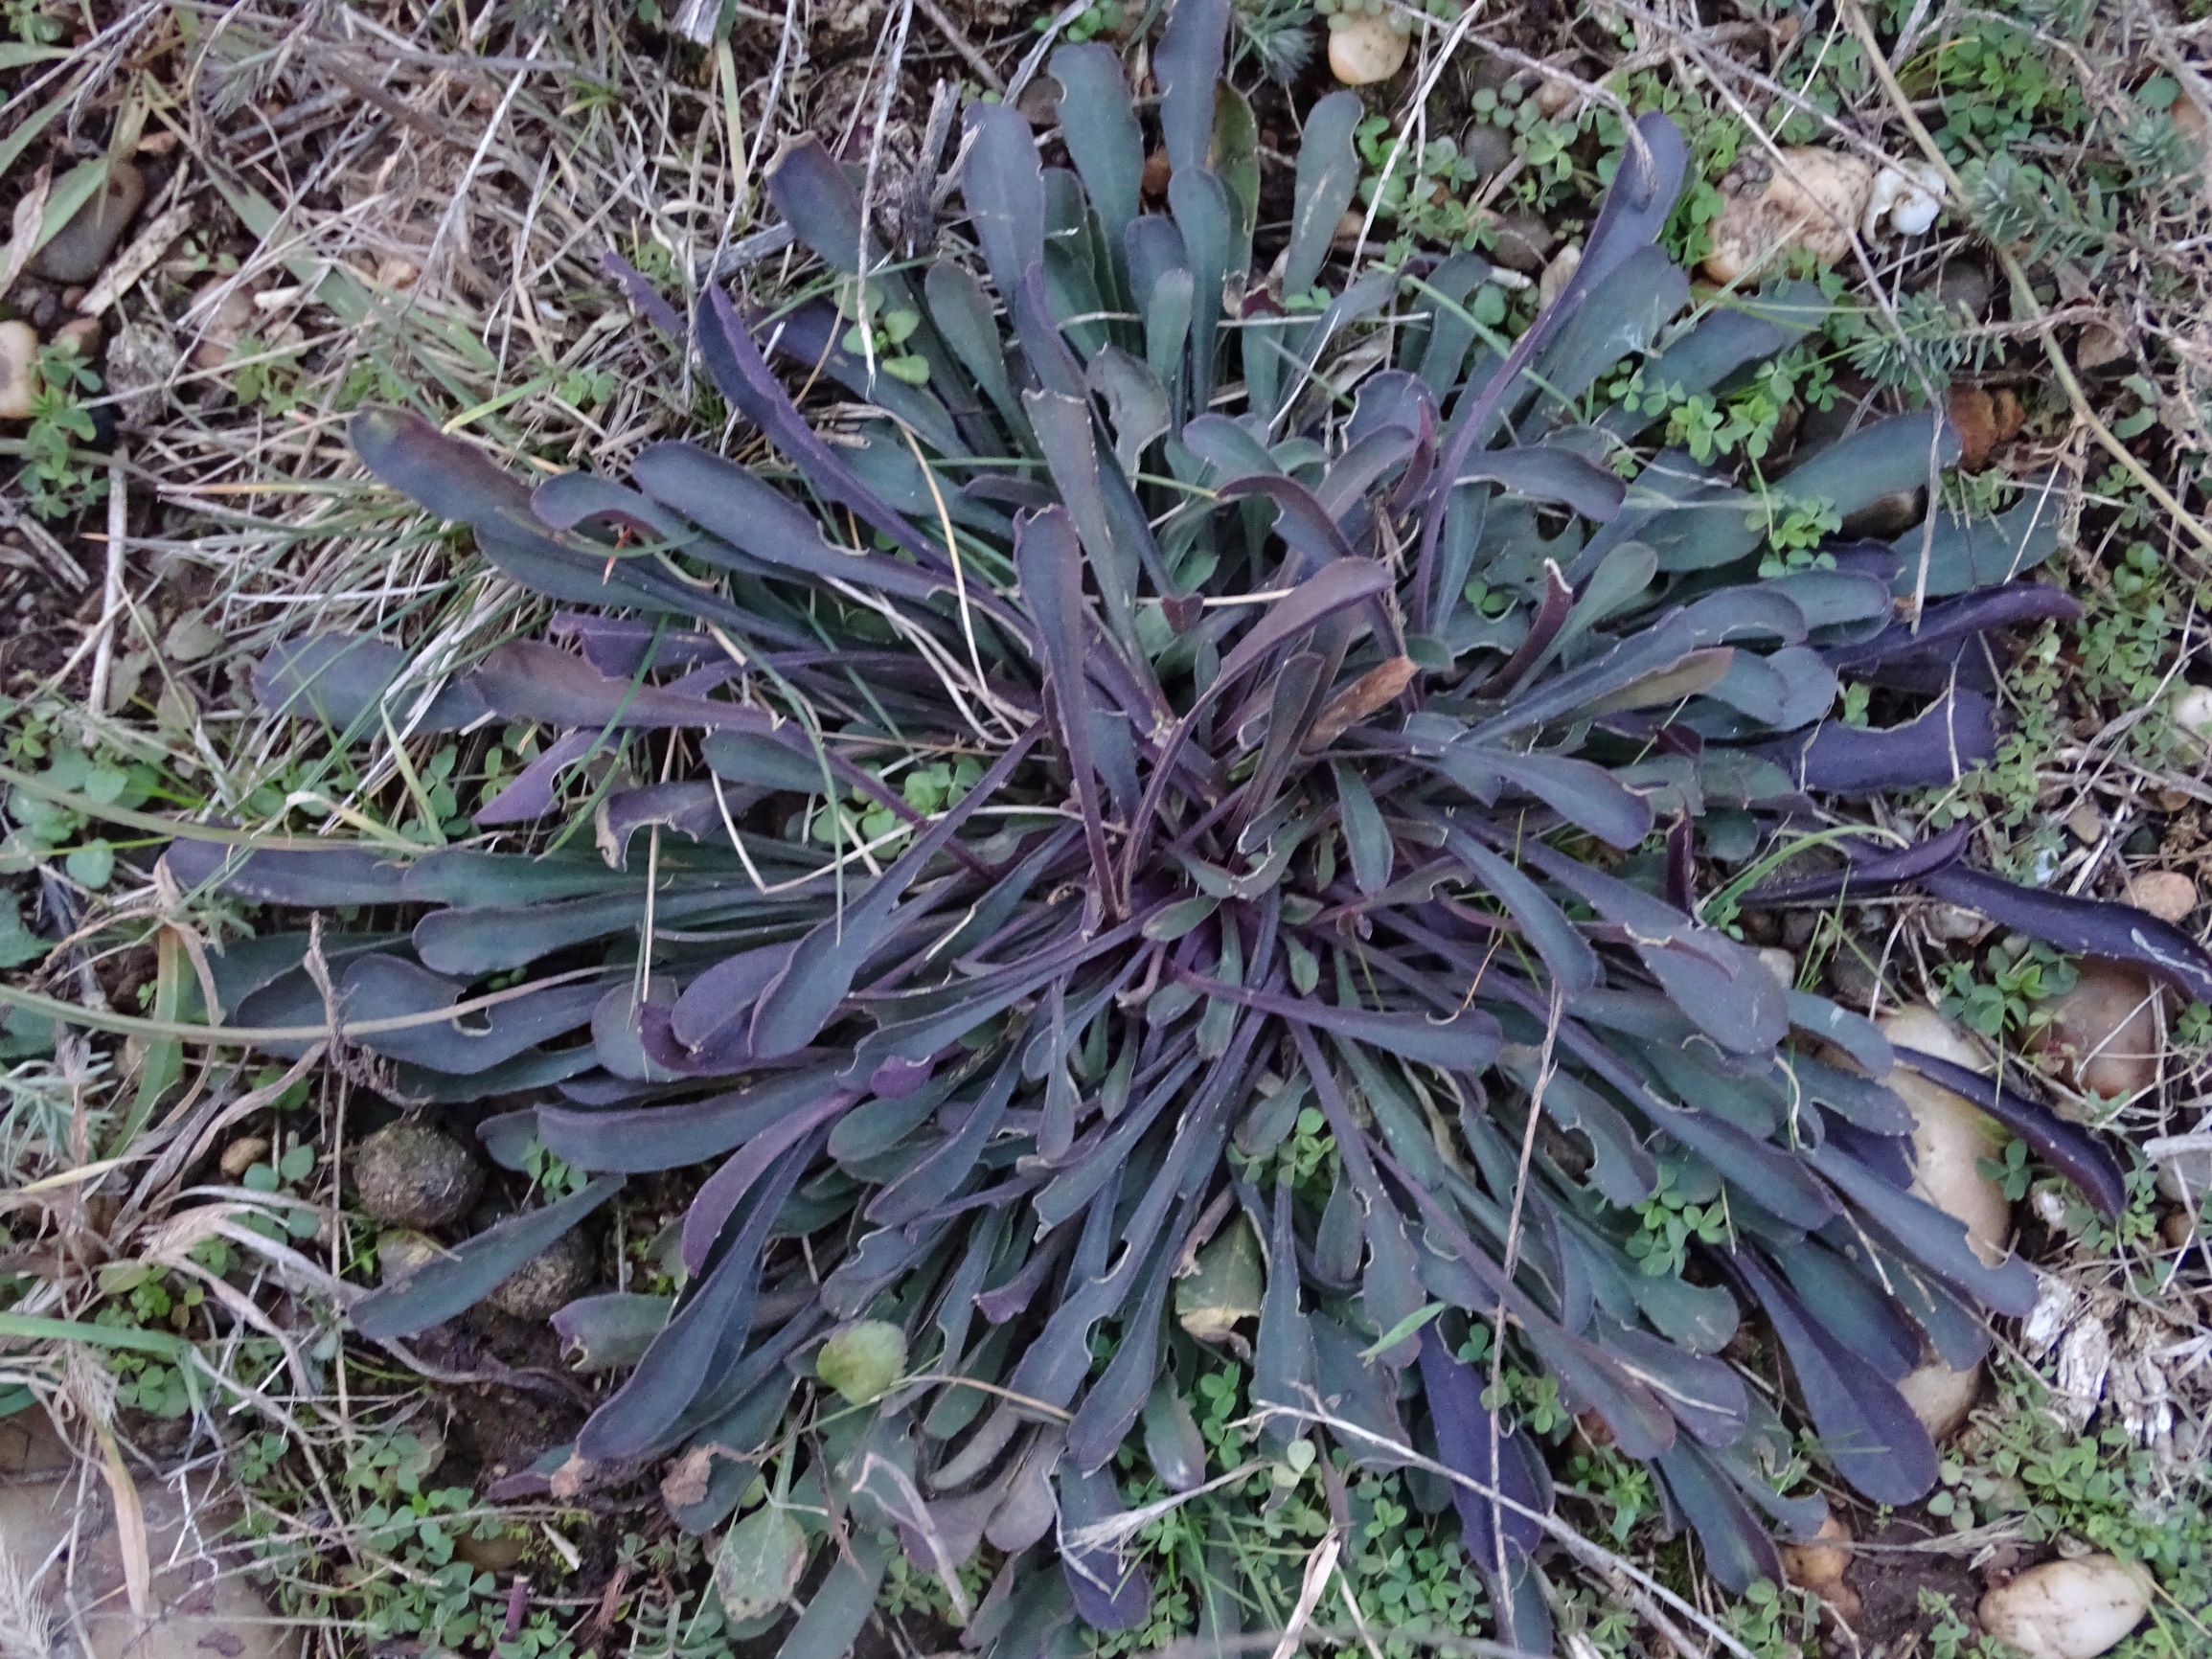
(1815, 200)
(2068, 1610)
(1940, 1396)
(1365, 48)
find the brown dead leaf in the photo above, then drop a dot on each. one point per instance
(1376, 688)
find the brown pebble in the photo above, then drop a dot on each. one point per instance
(1819, 1566)
(80, 333)
(414, 1176)
(2166, 894)
(78, 251)
(242, 1154)
(549, 1281)
(1972, 413)
(2107, 1030)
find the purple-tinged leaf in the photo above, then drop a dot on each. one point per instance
(1331, 589)
(1367, 837)
(449, 478)
(1283, 1353)
(1585, 794)
(386, 988)
(1868, 1435)
(1952, 621)
(2082, 926)
(569, 499)
(531, 794)
(1301, 520)
(1187, 65)
(1065, 437)
(1544, 628)
(345, 681)
(798, 1002)
(1968, 551)
(1938, 747)
(322, 878)
(2071, 1149)
(1467, 1043)
(1047, 561)
(1098, 122)
(1739, 1550)
(1717, 983)
(1328, 176)
(714, 1315)
(1112, 1590)
(812, 191)
(1206, 217)
(610, 1332)
(639, 1140)
(1111, 1405)
(1619, 318)
(452, 1283)
(1867, 875)
(1537, 472)
(1852, 1305)
(1471, 1441)
(1635, 206)
(1137, 405)
(742, 375)
(722, 1192)
(1002, 183)
(525, 680)
(1882, 457)
(638, 289)
(1740, 329)
(1926, 1235)
(1555, 939)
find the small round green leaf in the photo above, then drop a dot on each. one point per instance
(862, 1360)
(758, 1564)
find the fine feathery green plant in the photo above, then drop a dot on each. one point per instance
(1178, 831)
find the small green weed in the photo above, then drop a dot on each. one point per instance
(61, 478)
(2007, 999)
(2024, 1468)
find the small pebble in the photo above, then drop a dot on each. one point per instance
(1554, 96)
(2107, 1027)
(1941, 1397)
(1559, 272)
(1888, 515)
(1813, 201)
(18, 370)
(242, 1154)
(1852, 974)
(414, 1176)
(2068, 1610)
(400, 1250)
(79, 249)
(220, 313)
(549, 1281)
(1521, 242)
(1485, 150)
(1365, 48)
(1954, 923)
(1966, 288)
(81, 335)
